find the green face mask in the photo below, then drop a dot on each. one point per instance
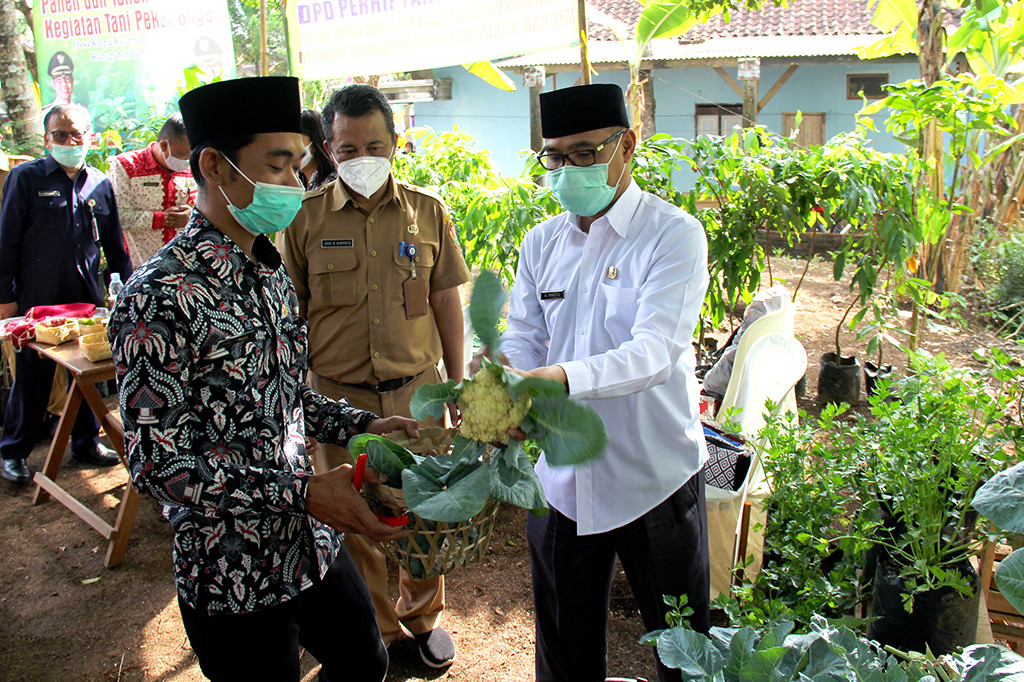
(584, 190)
(273, 207)
(69, 156)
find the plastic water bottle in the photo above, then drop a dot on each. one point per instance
(114, 288)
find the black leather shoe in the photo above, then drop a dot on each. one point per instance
(100, 456)
(16, 470)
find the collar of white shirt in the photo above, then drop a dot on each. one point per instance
(621, 213)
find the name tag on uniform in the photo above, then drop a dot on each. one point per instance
(49, 193)
(151, 184)
(336, 243)
(549, 295)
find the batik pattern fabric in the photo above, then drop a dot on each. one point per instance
(210, 357)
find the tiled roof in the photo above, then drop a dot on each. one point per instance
(797, 18)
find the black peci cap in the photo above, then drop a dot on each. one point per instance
(243, 106)
(585, 107)
(60, 61)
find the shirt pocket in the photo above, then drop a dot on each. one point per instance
(620, 308)
(49, 213)
(333, 279)
(425, 258)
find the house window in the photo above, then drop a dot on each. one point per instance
(812, 128)
(718, 119)
(870, 83)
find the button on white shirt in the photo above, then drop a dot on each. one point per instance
(631, 358)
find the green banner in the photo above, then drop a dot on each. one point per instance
(121, 58)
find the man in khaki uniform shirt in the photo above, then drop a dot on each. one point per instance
(376, 267)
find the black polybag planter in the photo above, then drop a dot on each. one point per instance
(943, 619)
(873, 374)
(839, 379)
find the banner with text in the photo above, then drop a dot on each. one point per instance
(338, 38)
(121, 58)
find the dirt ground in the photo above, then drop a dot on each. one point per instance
(63, 616)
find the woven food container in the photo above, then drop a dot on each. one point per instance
(91, 325)
(56, 331)
(95, 347)
(432, 548)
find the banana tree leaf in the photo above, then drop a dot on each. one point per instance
(359, 444)
(668, 19)
(518, 485)
(1010, 579)
(380, 457)
(430, 399)
(1001, 499)
(569, 432)
(459, 499)
(485, 308)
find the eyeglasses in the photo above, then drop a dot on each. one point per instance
(62, 136)
(580, 157)
(65, 77)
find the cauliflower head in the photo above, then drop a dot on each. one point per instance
(488, 411)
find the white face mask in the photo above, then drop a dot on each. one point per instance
(173, 163)
(307, 157)
(366, 174)
(177, 165)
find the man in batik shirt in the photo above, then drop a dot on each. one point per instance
(211, 362)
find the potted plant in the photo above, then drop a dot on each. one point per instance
(932, 440)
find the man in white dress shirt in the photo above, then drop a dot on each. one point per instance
(606, 301)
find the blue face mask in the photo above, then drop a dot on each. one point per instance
(584, 190)
(69, 156)
(273, 207)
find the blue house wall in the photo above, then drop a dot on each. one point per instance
(499, 121)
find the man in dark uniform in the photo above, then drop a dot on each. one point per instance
(57, 214)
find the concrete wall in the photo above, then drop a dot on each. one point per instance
(499, 121)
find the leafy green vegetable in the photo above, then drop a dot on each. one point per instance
(456, 486)
(516, 482)
(429, 400)
(485, 308)
(384, 460)
(458, 498)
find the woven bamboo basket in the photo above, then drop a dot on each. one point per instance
(432, 548)
(95, 347)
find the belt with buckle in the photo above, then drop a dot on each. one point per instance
(386, 386)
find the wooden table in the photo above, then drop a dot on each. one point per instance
(85, 375)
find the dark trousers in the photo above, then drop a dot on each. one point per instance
(26, 409)
(333, 620)
(664, 552)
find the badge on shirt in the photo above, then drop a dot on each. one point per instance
(549, 295)
(151, 184)
(613, 272)
(337, 243)
(413, 229)
(49, 193)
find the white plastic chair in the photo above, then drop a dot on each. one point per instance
(772, 365)
(777, 322)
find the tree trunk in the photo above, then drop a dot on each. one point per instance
(22, 105)
(30, 50)
(647, 83)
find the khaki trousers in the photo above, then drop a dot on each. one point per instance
(420, 602)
